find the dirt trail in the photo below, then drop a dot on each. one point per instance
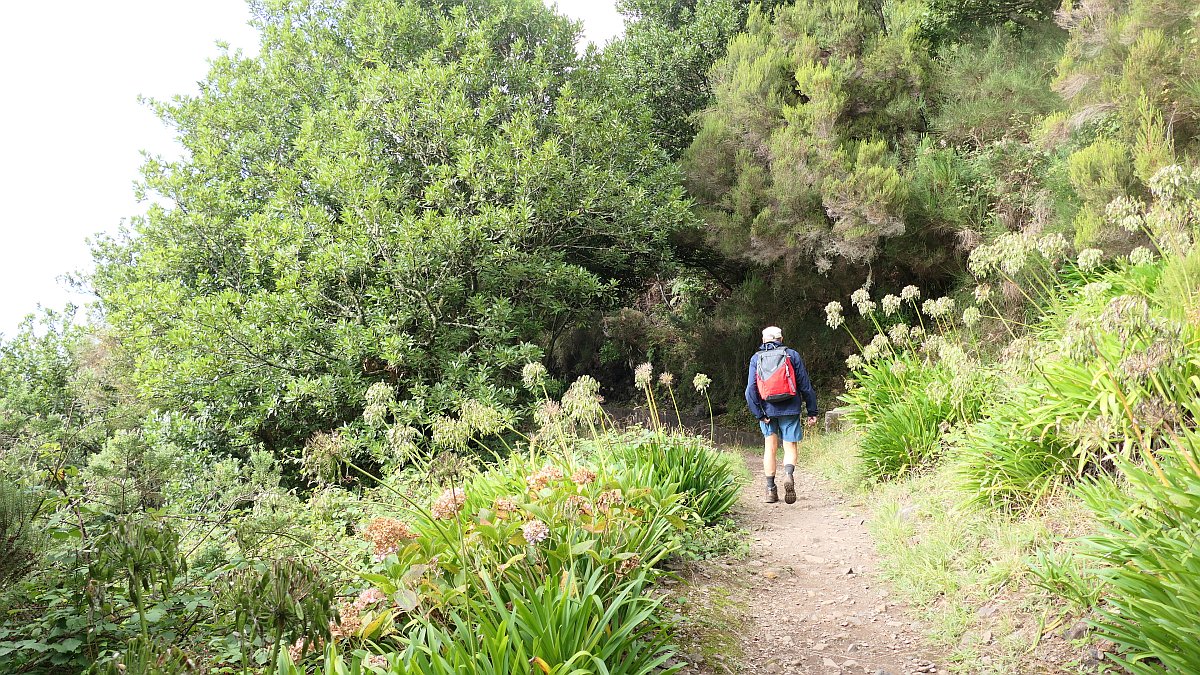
(807, 599)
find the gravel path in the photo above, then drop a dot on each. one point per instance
(807, 599)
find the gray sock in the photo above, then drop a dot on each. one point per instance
(770, 481)
(789, 468)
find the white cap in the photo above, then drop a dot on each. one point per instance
(772, 334)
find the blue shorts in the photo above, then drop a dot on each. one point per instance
(788, 426)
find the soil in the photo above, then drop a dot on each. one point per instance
(807, 599)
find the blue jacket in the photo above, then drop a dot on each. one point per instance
(760, 408)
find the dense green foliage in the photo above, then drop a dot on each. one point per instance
(424, 194)
(399, 229)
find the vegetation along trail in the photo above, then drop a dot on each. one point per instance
(808, 599)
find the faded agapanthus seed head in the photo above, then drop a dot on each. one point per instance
(535, 531)
(983, 293)
(402, 439)
(451, 433)
(898, 334)
(1096, 290)
(701, 383)
(666, 379)
(833, 315)
(548, 414)
(1141, 256)
(486, 420)
(870, 353)
(643, 375)
(910, 294)
(1053, 247)
(1126, 213)
(380, 393)
(533, 375)
(899, 368)
(971, 316)
(891, 304)
(1089, 259)
(583, 402)
(855, 362)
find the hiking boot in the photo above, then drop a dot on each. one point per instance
(789, 490)
(772, 494)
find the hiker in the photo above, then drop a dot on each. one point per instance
(773, 391)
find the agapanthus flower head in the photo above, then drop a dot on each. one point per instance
(971, 316)
(643, 375)
(833, 315)
(484, 419)
(1096, 289)
(860, 296)
(448, 504)
(380, 393)
(880, 341)
(533, 375)
(916, 334)
(855, 362)
(548, 414)
(865, 308)
(898, 334)
(1053, 246)
(449, 432)
(870, 353)
(1089, 259)
(666, 379)
(1168, 182)
(701, 382)
(1126, 213)
(891, 304)
(582, 402)
(899, 368)
(910, 294)
(535, 531)
(386, 535)
(583, 476)
(983, 293)
(1141, 256)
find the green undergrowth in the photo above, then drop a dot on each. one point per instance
(970, 570)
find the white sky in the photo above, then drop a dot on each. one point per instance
(71, 127)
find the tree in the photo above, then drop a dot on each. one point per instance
(424, 193)
(665, 56)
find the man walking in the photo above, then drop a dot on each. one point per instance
(773, 391)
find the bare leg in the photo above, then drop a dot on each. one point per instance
(772, 448)
(790, 452)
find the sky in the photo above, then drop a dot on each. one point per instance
(72, 128)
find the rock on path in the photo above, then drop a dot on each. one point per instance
(810, 599)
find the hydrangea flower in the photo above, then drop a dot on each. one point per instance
(583, 476)
(447, 506)
(535, 531)
(386, 535)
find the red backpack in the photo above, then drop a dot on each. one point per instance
(775, 377)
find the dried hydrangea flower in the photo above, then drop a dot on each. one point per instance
(504, 506)
(610, 498)
(535, 531)
(642, 375)
(386, 535)
(577, 504)
(448, 504)
(543, 477)
(583, 476)
(371, 596)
